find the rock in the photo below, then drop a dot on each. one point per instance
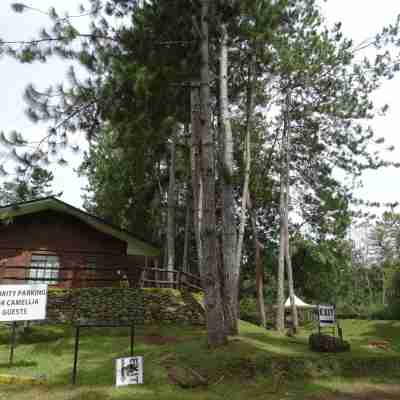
(327, 344)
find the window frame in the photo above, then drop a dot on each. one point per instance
(49, 276)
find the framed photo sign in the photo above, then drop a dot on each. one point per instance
(129, 371)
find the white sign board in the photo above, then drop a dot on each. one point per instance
(129, 371)
(23, 302)
(326, 315)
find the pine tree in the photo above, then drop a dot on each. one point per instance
(33, 187)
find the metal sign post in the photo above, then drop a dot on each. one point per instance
(132, 338)
(13, 343)
(99, 325)
(74, 371)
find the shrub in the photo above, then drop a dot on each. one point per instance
(389, 312)
(354, 311)
(248, 310)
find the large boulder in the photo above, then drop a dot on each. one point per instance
(327, 343)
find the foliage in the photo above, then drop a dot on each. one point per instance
(248, 310)
(141, 70)
(390, 312)
(36, 185)
(321, 269)
(135, 203)
(385, 239)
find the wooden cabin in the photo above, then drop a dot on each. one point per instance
(49, 241)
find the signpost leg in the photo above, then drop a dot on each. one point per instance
(319, 320)
(13, 342)
(340, 331)
(132, 338)
(76, 355)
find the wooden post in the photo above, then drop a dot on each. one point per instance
(146, 265)
(155, 273)
(74, 283)
(3, 270)
(141, 278)
(178, 279)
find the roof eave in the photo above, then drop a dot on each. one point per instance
(134, 245)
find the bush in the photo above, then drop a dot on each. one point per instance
(346, 311)
(355, 311)
(248, 310)
(327, 344)
(390, 312)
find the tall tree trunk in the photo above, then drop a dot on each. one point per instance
(209, 270)
(247, 163)
(260, 272)
(259, 267)
(247, 154)
(280, 315)
(383, 288)
(286, 138)
(187, 229)
(280, 301)
(195, 159)
(171, 209)
(295, 319)
(230, 267)
(369, 287)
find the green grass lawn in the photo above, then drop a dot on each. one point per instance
(249, 366)
(358, 332)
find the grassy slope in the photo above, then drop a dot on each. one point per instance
(358, 332)
(235, 371)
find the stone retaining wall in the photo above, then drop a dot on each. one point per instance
(173, 306)
(121, 305)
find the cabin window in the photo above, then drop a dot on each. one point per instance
(44, 269)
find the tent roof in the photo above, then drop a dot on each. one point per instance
(134, 245)
(299, 303)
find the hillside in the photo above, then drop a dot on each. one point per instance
(257, 364)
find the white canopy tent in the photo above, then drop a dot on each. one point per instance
(299, 303)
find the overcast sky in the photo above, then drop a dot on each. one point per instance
(360, 19)
(14, 77)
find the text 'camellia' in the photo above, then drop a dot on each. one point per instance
(23, 302)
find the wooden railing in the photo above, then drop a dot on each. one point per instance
(162, 278)
(80, 276)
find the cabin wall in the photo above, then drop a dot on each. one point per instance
(74, 242)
